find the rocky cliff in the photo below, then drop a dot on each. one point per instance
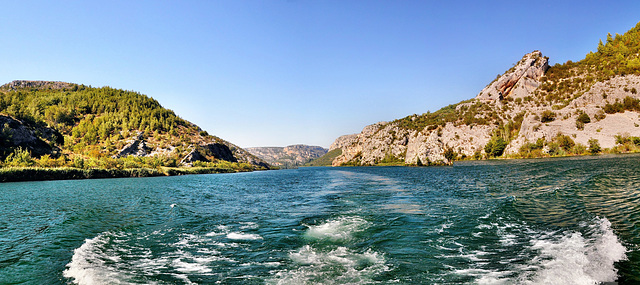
(288, 157)
(519, 81)
(531, 110)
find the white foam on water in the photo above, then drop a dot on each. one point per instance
(225, 231)
(271, 264)
(213, 234)
(88, 264)
(508, 239)
(575, 259)
(126, 258)
(193, 240)
(336, 263)
(555, 257)
(484, 226)
(243, 236)
(184, 278)
(340, 265)
(197, 266)
(340, 229)
(441, 228)
(248, 225)
(485, 276)
(225, 244)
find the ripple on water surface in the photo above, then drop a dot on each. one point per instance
(560, 221)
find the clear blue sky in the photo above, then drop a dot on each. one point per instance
(276, 72)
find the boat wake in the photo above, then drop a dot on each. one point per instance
(530, 257)
(132, 258)
(330, 258)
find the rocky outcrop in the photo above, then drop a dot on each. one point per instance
(206, 152)
(220, 151)
(511, 97)
(136, 147)
(56, 85)
(391, 143)
(38, 140)
(243, 156)
(289, 156)
(344, 141)
(591, 102)
(192, 157)
(519, 81)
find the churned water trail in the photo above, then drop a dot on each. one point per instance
(550, 221)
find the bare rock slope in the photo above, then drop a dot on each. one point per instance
(516, 106)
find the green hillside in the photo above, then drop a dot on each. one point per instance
(326, 159)
(91, 126)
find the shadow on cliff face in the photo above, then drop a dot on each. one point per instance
(219, 151)
(16, 134)
(214, 150)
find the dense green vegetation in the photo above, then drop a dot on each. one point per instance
(477, 113)
(563, 145)
(89, 114)
(627, 104)
(547, 116)
(12, 174)
(391, 160)
(96, 123)
(495, 147)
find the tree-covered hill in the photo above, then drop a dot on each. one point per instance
(104, 128)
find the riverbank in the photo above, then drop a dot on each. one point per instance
(15, 174)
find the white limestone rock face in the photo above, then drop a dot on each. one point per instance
(591, 103)
(499, 100)
(389, 140)
(288, 157)
(518, 81)
(343, 141)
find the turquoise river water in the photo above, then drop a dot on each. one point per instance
(550, 221)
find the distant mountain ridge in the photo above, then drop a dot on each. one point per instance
(532, 110)
(290, 156)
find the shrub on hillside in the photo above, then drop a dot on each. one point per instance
(495, 147)
(565, 142)
(20, 158)
(594, 146)
(450, 154)
(582, 119)
(627, 104)
(547, 116)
